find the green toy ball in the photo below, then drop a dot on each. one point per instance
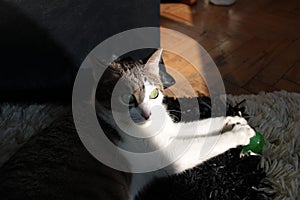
(256, 143)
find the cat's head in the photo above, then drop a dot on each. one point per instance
(130, 90)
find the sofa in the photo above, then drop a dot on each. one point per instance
(43, 43)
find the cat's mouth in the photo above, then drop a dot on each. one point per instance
(141, 121)
(144, 123)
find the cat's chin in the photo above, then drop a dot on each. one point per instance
(144, 122)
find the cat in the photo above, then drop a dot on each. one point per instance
(54, 164)
(130, 96)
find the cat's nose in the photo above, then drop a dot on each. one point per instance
(146, 115)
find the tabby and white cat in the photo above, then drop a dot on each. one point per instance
(136, 111)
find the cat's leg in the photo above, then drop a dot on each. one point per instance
(210, 126)
(193, 156)
(205, 148)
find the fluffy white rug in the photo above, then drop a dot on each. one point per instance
(276, 115)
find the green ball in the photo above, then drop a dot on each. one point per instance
(256, 143)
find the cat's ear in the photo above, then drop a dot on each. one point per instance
(152, 64)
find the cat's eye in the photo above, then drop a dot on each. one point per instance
(131, 99)
(154, 94)
(128, 99)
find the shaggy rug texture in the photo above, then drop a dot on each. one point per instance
(276, 115)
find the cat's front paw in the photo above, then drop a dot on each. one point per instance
(230, 122)
(235, 120)
(242, 134)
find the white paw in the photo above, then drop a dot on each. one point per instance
(242, 134)
(235, 120)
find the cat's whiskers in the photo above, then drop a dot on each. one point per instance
(174, 117)
(174, 111)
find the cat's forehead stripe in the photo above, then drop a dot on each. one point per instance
(136, 76)
(139, 95)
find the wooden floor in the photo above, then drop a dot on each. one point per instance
(255, 44)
